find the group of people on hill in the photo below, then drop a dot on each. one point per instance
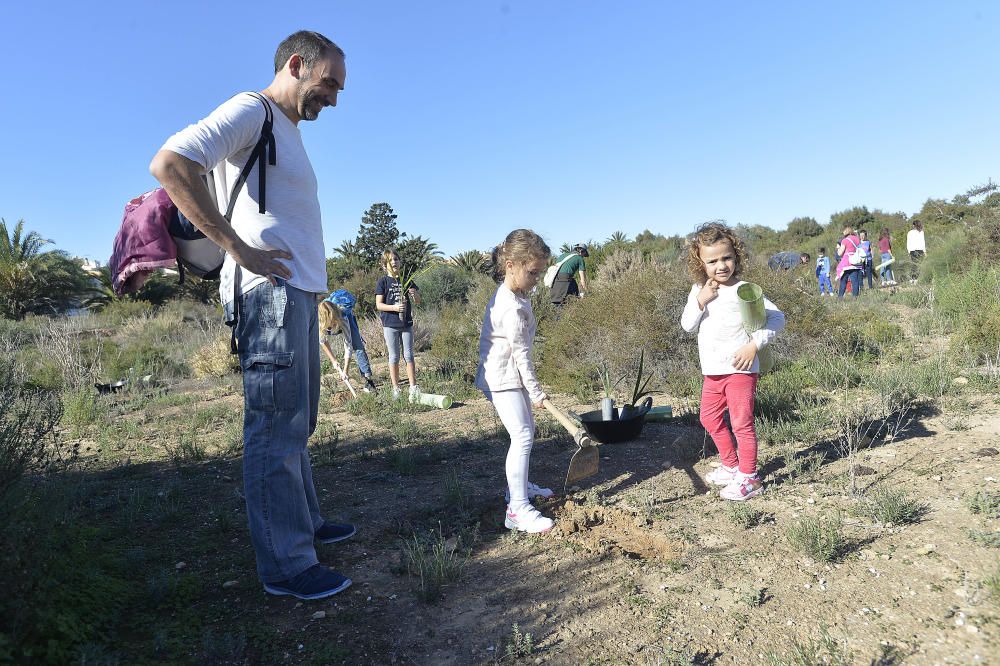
(275, 272)
(854, 261)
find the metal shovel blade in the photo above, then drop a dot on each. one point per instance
(584, 463)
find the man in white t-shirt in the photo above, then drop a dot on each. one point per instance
(277, 258)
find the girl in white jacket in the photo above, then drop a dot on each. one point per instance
(506, 372)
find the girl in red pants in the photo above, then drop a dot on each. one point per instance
(728, 354)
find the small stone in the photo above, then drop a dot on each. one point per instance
(926, 549)
(667, 465)
(972, 629)
(810, 501)
(960, 593)
(938, 477)
(180, 565)
(808, 586)
(450, 545)
(230, 583)
(960, 381)
(319, 615)
(298, 604)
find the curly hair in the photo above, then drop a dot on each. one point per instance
(711, 233)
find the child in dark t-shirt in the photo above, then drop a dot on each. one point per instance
(394, 307)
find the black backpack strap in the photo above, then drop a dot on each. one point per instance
(265, 144)
(264, 153)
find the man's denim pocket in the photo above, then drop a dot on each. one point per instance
(273, 301)
(269, 381)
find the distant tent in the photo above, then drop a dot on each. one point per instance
(783, 261)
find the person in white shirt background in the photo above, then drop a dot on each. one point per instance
(728, 355)
(917, 248)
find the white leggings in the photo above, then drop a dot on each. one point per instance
(514, 409)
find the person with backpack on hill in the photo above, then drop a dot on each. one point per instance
(565, 284)
(274, 271)
(869, 265)
(851, 261)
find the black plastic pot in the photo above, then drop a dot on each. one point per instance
(611, 432)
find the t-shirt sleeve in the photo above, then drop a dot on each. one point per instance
(233, 127)
(380, 287)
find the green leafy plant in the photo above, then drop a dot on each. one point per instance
(641, 383)
(606, 384)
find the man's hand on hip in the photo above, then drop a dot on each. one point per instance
(263, 262)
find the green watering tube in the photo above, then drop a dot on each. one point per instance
(754, 318)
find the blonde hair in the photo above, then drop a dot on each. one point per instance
(330, 318)
(520, 247)
(387, 258)
(711, 233)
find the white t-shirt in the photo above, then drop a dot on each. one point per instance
(720, 329)
(292, 221)
(915, 241)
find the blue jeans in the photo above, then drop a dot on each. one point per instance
(854, 275)
(824, 284)
(886, 273)
(278, 338)
(866, 272)
(360, 353)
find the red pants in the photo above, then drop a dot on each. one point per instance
(734, 392)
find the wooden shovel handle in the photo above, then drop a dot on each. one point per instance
(571, 427)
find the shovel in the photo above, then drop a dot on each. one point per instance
(586, 460)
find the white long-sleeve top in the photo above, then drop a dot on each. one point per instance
(505, 345)
(720, 329)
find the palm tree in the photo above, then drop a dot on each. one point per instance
(618, 238)
(33, 281)
(472, 261)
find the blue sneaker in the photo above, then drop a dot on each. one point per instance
(334, 532)
(316, 582)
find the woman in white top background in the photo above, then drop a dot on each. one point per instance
(917, 248)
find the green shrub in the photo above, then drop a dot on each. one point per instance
(822, 540)
(887, 505)
(455, 339)
(641, 310)
(118, 312)
(945, 258)
(362, 285)
(985, 503)
(444, 283)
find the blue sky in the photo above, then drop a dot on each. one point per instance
(576, 119)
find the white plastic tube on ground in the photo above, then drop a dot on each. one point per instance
(432, 400)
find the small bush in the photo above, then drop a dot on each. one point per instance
(822, 540)
(814, 651)
(745, 515)
(443, 284)
(988, 539)
(985, 503)
(886, 505)
(215, 359)
(804, 466)
(435, 562)
(520, 645)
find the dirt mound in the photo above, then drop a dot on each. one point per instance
(600, 529)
